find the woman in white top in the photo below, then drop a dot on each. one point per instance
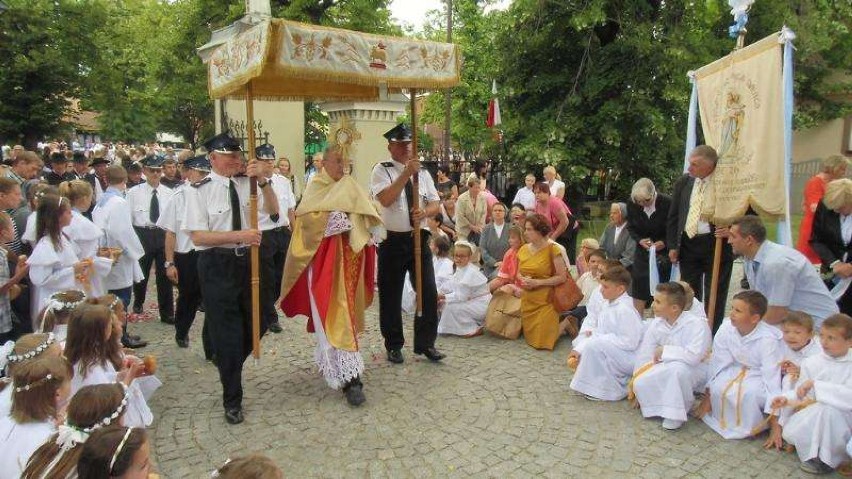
(557, 187)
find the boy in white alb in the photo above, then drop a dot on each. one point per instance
(669, 358)
(745, 371)
(821, 425)
(606, 345)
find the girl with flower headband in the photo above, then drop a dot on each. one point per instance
(92, 408)
(54, 317)
(252, 466)
(40, 394)
(465, 295)
(54, 264)
(122, 452)
(94, 350)
(28, 348)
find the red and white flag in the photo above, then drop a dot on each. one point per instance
(493, 108)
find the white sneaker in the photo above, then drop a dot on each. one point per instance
(672, 424)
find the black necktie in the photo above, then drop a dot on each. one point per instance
(236, 220)
(409, 193)
(155, 207)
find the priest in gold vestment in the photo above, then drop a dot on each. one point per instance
(329, 273)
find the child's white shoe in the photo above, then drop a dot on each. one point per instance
(672, 424)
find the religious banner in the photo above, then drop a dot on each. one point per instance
(287, 60)
(741, 105)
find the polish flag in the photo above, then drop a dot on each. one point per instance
(493, 108)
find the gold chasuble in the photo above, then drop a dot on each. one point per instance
(341, 266)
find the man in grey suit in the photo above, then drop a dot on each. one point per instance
(616, 240)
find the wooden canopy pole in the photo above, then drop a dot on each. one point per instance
(415, 196)
(714, 282)
(255, 250)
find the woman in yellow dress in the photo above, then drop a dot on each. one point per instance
(540, 268)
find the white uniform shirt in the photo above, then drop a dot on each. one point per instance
(556, 186)
(208, 205)
(286, 201)
(171, 219)
(139, 200)
(396, 216)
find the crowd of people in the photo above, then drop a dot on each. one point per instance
(82, 239)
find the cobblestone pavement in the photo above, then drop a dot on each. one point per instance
(493, 408)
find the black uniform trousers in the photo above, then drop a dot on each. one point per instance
(396, 257)
(154, 243)
(189, 298)
(695, 256)
(273, 250)
(224, 274)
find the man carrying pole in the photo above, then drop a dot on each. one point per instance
(217, 219)
(391, 185)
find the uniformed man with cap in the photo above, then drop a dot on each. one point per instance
(391, 185)
(58, 169)
(99, 166)
(182, 258)
(276, 236)
(146, 201)
(171, 177)
(217, 217)
(83, 172)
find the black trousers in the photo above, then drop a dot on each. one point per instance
(696, 268)
(189, 297)
(225, 286)
(396, 257)
(154, 243)
(273, 250)
(568, 240)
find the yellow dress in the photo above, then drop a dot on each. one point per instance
(538, 316)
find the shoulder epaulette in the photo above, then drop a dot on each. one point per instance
(387, 164)
(202, 182)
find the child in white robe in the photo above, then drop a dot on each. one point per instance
(744, 372)
(442, 265)
(85, 235)
(27, 348)
(94, 349)
(464, 296)
(668, 363)
(605, 347)
(54, 265)
(40, 394)
(693, 305)
(822, 424)
(54, 317)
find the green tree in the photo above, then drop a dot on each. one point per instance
(46, 52)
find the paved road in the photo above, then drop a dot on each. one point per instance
(494, 408)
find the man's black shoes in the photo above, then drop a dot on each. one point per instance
(354, 392)
(433, 354)
(182, 343)
(395, 356)
(234, 416)
(129, 342)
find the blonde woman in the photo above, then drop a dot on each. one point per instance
(471, 211)
(831, 237)
(834, 167)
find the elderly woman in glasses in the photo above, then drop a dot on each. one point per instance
(646, 223)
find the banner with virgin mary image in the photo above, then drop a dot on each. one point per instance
(741, 105)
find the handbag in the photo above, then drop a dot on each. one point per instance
(567, 295)
(503, 317)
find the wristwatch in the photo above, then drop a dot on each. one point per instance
(168, 264)
(263, 185)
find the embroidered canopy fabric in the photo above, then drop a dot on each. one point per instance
(289, 60)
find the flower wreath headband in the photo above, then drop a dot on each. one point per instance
(55, 304)
(69, 435)
(16, 358)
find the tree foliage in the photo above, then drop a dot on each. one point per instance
(46, 54)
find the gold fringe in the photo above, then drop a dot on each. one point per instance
(631, 396)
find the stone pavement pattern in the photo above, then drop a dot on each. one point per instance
(493, 408)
